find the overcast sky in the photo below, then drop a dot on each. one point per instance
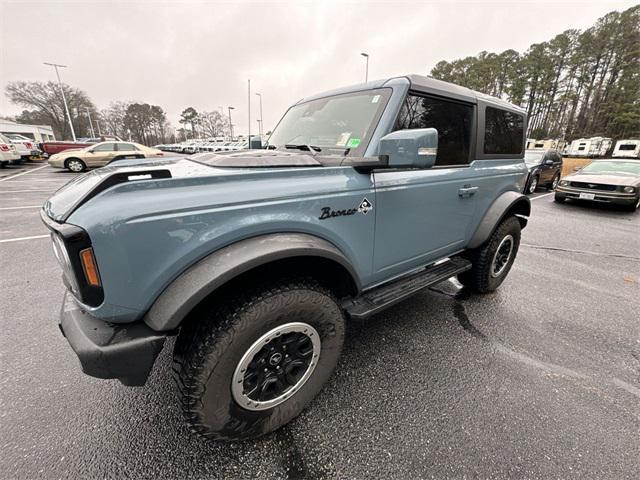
(200, 53)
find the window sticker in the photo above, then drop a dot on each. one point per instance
(375, 99)
(353, 143)
(343, 139)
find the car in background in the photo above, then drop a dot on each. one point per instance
(613, 181)
(100, 154)
(545, 168)
(8, 152)
(25, 146)
(51, 148)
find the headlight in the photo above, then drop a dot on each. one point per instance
(564, 183)
(60, 251)
(629, 189)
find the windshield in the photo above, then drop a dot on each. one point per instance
(340, 124)
(600, 166)
(533, 158)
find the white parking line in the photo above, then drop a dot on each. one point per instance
(33, 237)
(542, 196)
(19, 208)
(25, 191)
(23, 173)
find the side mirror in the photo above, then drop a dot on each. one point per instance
(548, 162)
(415, 148)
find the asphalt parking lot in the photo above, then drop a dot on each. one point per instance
(539, 380)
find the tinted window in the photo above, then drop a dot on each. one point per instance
(105, 147)
(126, 147)
(627, 147)
(452, 120)
(503, 132)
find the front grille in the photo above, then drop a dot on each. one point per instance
(594, 186)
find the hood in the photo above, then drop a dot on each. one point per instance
(148, 172)
(604, 179)
(258, 159)
(69, 150)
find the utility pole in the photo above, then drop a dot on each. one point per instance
(249, 113)
(93, 133)
(230, 124)
(64, 99)
(366, 71)
(260, 95)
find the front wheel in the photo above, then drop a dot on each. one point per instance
(75, 165)
(492, 262)
(253, 364)
(554, 182)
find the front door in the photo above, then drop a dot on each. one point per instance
(424, 215)
(101, 154)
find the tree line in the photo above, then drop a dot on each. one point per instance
(578, 84)
(140, 122)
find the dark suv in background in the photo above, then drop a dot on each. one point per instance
(545, 168)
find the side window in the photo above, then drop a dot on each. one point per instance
(503, 132)
(105, 147)
(126, 147)
(451, 119)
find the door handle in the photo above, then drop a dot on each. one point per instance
(467, 191)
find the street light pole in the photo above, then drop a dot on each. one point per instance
(230, 124)
(260, 95)
(64, 99)
(93, 133)
(366, 71)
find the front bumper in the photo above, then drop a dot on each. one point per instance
(124, 351)
(615, 198)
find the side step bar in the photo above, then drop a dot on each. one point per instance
(379, 298)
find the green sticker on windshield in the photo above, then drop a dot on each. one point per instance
(353, 143)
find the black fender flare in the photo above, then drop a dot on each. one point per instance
(508, 203)
(204, 277)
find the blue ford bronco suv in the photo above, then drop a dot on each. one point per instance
(256, 259)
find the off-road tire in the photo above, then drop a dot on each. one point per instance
(69, 160)
(209, 349)
(479, 278)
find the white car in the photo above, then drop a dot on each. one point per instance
(8, 151)
(25, 146)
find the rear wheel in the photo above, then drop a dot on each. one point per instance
(75, 165)
(533, 184)
(492, 261)
(255, 363)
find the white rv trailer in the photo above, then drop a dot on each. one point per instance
(627, 149)
(589, 147)
(549, 144)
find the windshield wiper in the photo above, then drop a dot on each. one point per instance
(304, 146)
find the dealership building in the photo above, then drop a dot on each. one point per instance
(39, 133)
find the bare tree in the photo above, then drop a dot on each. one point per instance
(44, 103)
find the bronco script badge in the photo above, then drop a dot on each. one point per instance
(364, 208)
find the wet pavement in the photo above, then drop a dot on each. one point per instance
(539, 380)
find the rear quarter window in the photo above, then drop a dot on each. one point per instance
(504, 132)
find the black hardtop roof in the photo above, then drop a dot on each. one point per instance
(423, 84)
(446, 89)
